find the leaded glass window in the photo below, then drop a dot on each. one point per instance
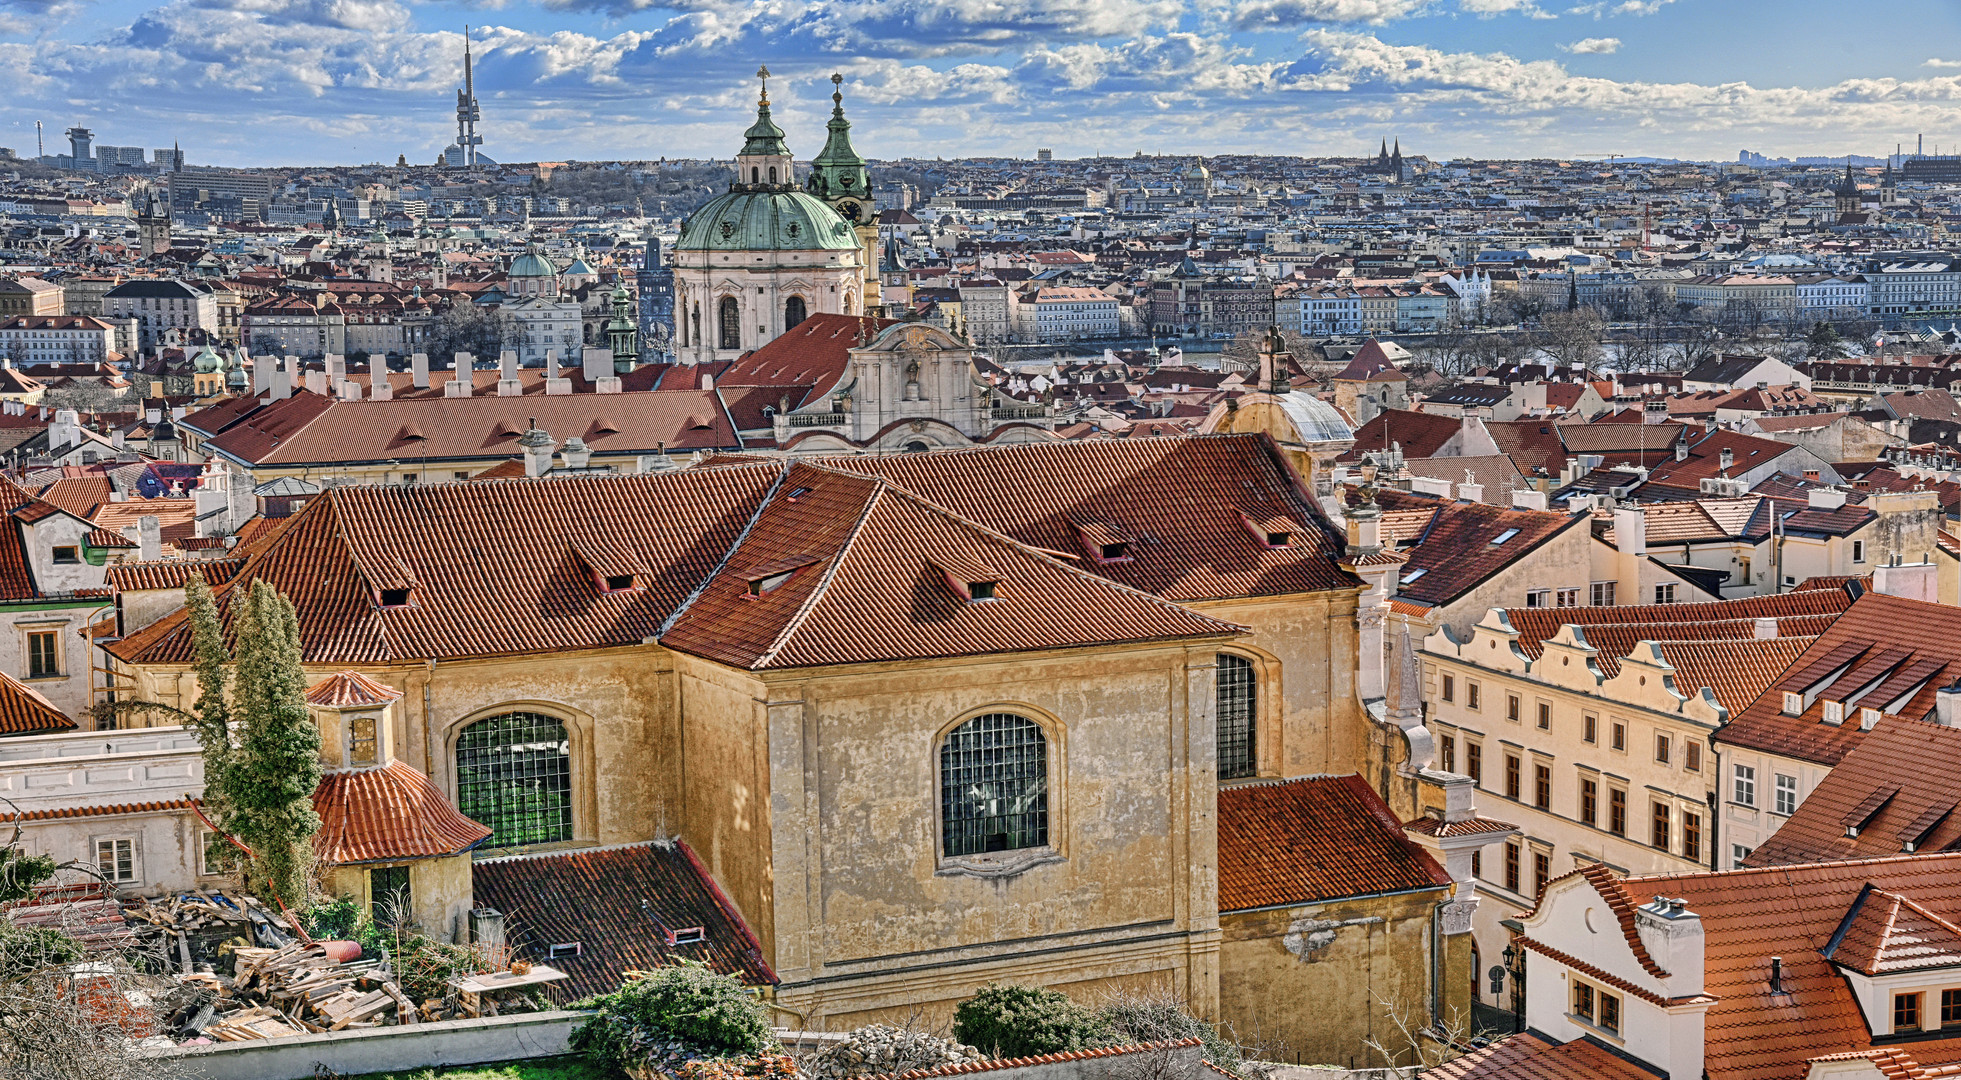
(514, 774)
(994, 786)
(1238, 696)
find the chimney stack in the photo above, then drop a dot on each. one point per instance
(149, 538)
(419, 371)
(537, 448)
(598, 363)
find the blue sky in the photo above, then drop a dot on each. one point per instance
(342, 81)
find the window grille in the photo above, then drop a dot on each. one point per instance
(514, 774)
(1238, 694)
(994, 791)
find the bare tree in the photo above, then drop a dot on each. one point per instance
(1412, 1042)
(1572, 338)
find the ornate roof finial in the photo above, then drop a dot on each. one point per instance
(837, 91)
(763, 74)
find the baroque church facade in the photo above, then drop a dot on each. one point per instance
(755, 262)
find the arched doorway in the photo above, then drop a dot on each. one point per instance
(793, 312)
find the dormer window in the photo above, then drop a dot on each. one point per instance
(395, 598)
(1105, 541)
(1270, 529)
(1793, 703)
(970, 579)
(618, 582)
(1834, 712)
(768, 577)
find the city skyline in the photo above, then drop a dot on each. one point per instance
(296, 82)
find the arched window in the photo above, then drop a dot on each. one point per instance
(793, 312)
(514, 774)
(1238, 694)
(772, 174)
(917, 447)
(755, 175)
(731, 319)
(994, 786)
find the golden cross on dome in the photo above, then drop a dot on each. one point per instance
(763, 74)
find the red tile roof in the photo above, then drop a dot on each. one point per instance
(623, 906)
(350, 688)
(1180, 498)
(1749, 916)
(1532, 1057)
(23, 711)
(1922, 811)
(1886, 933)
(1535, 625)
(1735, 670)
(872, 585)
(805, 361)
(1420, 435)
(133, 576)
(1900, 652)
(1461, 545)
(388, 814)
(1313, 839)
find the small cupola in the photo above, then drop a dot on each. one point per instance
(764, 163)
(356, 718)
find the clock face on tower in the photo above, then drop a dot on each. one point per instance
(848, 210)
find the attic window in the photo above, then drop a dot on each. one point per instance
(1106, 542)
(970, 579)
(796, 493)
(1414, 574)
(394, 598)
(618, 582)
(762, 585)
(561, 950)
(1503, 536)
(1793, 703)
(1113, 552)
(690, 935)
(64, 556)
(1271, 530)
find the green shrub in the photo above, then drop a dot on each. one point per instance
(1022, 1021)
(675, 1015)
(24, 950)
(335, 919)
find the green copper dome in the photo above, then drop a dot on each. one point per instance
(838, 172)
(766, 221)
(531, 264)
(207, 361)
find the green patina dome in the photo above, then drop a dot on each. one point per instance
(207, 361)
(531, 264)
(766, 221)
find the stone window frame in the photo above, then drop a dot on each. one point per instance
(1005, 864)
(580, 732)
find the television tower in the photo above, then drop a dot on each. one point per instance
(467, 113)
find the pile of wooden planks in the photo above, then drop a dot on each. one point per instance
(292, 991)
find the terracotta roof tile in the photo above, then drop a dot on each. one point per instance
(1905, 650)
(350, 688)
(1885, 933)
(1418, 434)
(1312, 839)
(386, 814)
(1531, 1057)
(626, 907)
(1750, 915)
(133, 576)
(23, 711)
(873, 587)
(1535, 625)
(1463, 544)
(1919, 810)
(1178, 498)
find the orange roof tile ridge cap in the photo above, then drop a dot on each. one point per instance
(722, 564)
(1888, 859)
(823, 586)
(566, 853)
(1043, 555)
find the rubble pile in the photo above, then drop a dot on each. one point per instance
(878, 1050)
(304, 987)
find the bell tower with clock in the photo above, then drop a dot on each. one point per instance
(839, 177)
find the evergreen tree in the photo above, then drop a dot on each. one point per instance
(271, 781)
(213, 710)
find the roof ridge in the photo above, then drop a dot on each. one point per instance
(782, 471)
(796, 621)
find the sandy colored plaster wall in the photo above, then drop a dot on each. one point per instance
(1313, 984)
(1309, 643)
(868, 895)
(725, 802)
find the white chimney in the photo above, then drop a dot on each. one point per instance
(577, 454)
(1826, 498)
(379, 388)
(608, 385)
(510, 388)
(507, 364)
(316, 381)
(1765, 627)
(598, 363)
(537, 447)
(419, 371)
(458, 386)
(1469, 492)
(1911, 581)
(149, 538)
(463, 362)
(262, 367)
(1529, 499)
(336, 369)
(1944, 702)
(551, 364)
(1630, 530)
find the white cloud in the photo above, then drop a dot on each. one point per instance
(1937, 63)
(1598, 46)
(1641, 7)
(1252, 14)
(1486, 9)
